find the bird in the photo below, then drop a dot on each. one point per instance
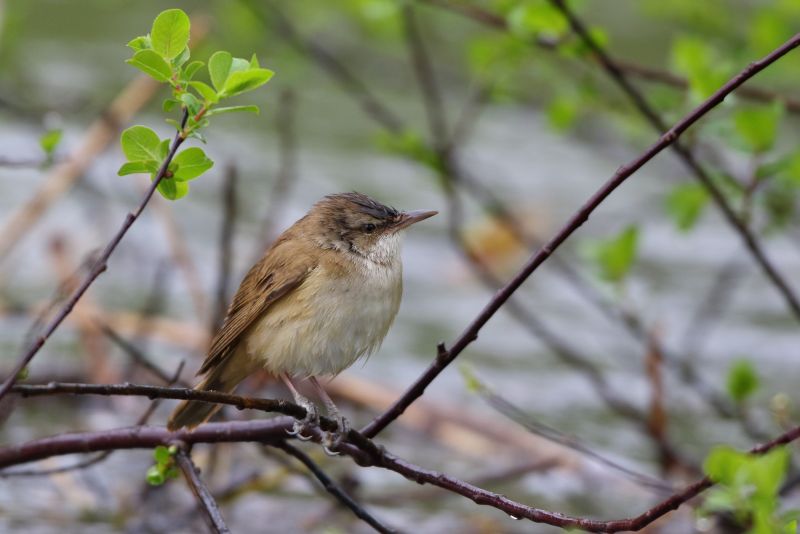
(322, 296)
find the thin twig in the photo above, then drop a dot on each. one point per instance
(333, 488)
(444, 358)
(208, 505)
(89, 462)
(225, 247)
(99, 266)
(642, 72)
(287, 170)
(702, 175)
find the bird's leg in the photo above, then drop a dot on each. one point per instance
(332, 439)
(312, 414)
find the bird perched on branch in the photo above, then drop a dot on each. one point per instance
(322, 296)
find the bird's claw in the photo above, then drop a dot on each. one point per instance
(332, 440)
(307, 424)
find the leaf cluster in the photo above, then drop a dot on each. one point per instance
(748, 487)
(165, 467)
(164, 55)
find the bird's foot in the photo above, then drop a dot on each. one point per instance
(332, 440)
(307, 424)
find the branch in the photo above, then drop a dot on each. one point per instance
(225, 247)
(643, 72)
(332, 487)
(158, 392)
(581, 216)
(286, 175)
(89, 462)
(362, 450)
(207, 503)
(99, 266)
(740, 226)
(450, 175)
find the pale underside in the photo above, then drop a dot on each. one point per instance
(331, 320)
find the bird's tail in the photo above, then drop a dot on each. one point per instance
(224, 378)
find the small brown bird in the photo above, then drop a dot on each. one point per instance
(322, 296)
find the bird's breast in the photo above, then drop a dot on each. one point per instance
(341, 312)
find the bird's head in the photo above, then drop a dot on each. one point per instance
(358, 224)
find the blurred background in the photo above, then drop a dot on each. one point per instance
(650, 337)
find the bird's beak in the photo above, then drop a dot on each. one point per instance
(407, 218)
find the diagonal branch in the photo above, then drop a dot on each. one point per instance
(99, 266)
(332, 487)
(211, 512)
(655, 120)
(445, 357)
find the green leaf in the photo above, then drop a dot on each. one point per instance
(529, 20)
(700, 63)
(723, 463)
(172, 189)
(685, 204)
(190, 69)
(758, 126)
(138, 167)
(206, 91)
(161, 454)
(170, 33)
(49, 140)
(615, 256)
(232, 109)
(169, 104)
(163, 149)
(742, 380)
(154, 476)
(140, 143)
(191, 162)
(219, 67)
(172, 472)
(562, 111)
(140, 43)
(254, 62)
(767, 471)
(191, 102)
(246, 80)
(410, 145)
(152, 64)
(181, 58)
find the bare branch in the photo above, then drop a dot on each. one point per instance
(98, 268)
(639, 101)
(225, 246)
(581, 216)
(362, 450)
(333, 488)
(211, 512)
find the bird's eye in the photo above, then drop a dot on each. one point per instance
(369, 228)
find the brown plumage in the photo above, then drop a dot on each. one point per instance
(323, 295)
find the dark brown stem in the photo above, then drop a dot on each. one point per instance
(97, 269)
(208, 505)
(361, 449)
(582, 215)
(333, 488)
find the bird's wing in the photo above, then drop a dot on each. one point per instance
(280, 271)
